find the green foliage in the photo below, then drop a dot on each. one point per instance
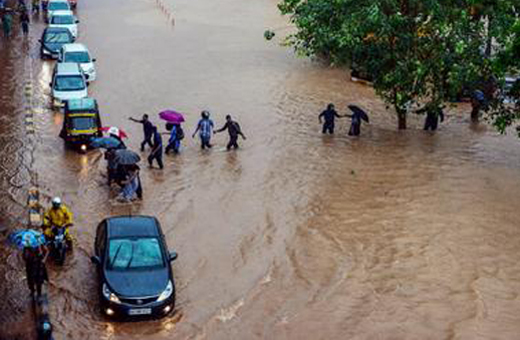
(415, 51)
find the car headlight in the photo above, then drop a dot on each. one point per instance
(167, 292)
(109, 295)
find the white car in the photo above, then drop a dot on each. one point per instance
(68, 82)
(78, 53)
(65, 19)
(56, 5)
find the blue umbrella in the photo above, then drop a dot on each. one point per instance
(27, 238)
(105, 143)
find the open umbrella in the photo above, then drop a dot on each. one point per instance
(105, 143)
(27, 238)
(358, 111)
(112, 130)
(172, 116)
(126, 157)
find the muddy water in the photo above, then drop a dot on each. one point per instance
(393, 235)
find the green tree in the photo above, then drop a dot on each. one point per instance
(416, 52)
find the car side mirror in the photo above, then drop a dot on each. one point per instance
(50, 84)
(95, 260)
(173, 256)
(39, 40)
(77, 21)
(94, 60)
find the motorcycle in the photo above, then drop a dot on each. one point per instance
(59, 245)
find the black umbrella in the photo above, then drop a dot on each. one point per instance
(358, 111)
(126, 157)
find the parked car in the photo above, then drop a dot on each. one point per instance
(65, 19)
(133, 265)
(56, 5)
(78, 53)
(68, 82)
(53, 38)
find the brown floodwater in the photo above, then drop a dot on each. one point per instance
(393, 235)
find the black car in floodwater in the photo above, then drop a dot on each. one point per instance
(53, 38)
(133, 264)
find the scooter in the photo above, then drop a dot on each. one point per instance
(59, 245)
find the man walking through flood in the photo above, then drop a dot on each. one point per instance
(24, 20)
(157, 149)
(7, 21)
(204, 127)
(233, 130)
(147, 130)
(330, 116)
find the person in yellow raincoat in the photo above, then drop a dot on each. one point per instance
(58, 216)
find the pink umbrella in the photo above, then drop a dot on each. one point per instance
(112, 130)
(172, 116)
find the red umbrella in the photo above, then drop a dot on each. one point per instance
(112, 130)
(172, 116)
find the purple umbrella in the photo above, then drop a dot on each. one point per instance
(172, 116)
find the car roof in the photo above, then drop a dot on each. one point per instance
(81, 104)
(58, 1)
(62, 12)
(132, 226)
(68, 68)
(74, 48)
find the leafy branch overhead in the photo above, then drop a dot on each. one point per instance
(424, 52)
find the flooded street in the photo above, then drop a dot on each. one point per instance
(393, 235)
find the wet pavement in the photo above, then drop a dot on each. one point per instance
(394, 235)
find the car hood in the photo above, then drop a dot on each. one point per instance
(137, 283)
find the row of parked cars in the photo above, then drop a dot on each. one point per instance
(130, 253)
(73, 72)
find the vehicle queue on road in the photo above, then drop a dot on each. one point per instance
(131, 256)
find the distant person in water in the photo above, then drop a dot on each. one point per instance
(329, 116)
(204, 128)
(24, 20)
(234, 131)
(433, 114)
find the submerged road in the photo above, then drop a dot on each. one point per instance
(395, 235)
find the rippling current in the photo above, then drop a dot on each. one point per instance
(393, 235)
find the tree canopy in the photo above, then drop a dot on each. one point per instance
(419, 52)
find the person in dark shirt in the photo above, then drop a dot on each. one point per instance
(35, 267)
(329, 115)
(157, 149)
(24, 20)
(233, 130)
(147, 130)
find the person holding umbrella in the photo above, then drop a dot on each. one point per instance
(204, 127)
(233, 130)
(173, 124)
(357, 116)
(157, 149)
(34, 254)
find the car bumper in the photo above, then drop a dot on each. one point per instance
(126, 311)
(49, 54)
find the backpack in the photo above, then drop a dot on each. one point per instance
(180, 133)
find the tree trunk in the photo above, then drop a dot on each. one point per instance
(401, 119)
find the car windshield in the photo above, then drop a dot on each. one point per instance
(57, 37)
(58, 6)
(62, 19)
(83, 123)
(69, 83)
(77, 57)
(135, 253)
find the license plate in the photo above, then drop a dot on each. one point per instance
(140, 311)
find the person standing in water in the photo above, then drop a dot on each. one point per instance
(233, 130)
(157, 149)
(7, 21)
(205, 128)
(329, 115)
(24, 20)
(147, 130)
(36, 273)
